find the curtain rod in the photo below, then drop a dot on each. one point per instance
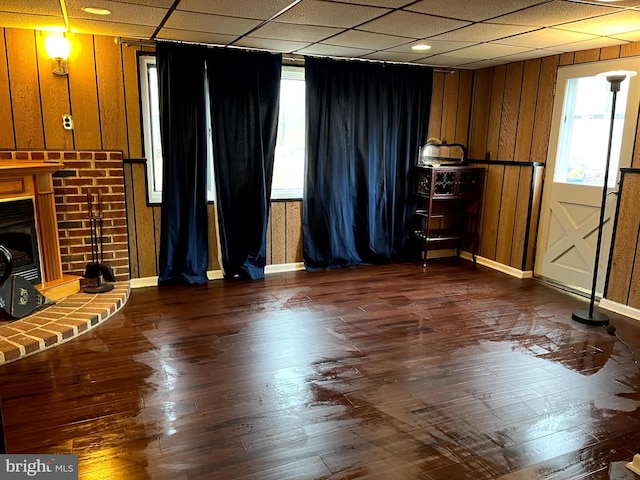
(289, 57)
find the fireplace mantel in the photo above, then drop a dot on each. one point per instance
(33, 179)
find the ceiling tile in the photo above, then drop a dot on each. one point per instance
(473, 11)
(263, 9)
(334, 51)
(368, 40)
(378, 3)
(629, 36)
(32, 22)
(111, 29)
(482, 32)
(614, 24)
(120, 13)
(518, 57)
(410, 24)
(598, 42)
(291, 31)
(329, 14)
(445, 60)
(546, 37)
(481, 64)
(490, 50)
(553, 13)
(41, 7)
(618, 3)
(437, 46)
(210, 23)
(149, 3)
(196, 37)
(271, 44)
(389, 56)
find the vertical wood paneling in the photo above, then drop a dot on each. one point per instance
(585, 56)
(25, 92)
(634, 285)
(269, 236)
(294, 232)
(156, 215)
(131, 220)
(609, 53)
(630, 50)
(278, 233)
(495, 110)
(622, 255)
(214, 261)
(134, 127)
(567, 58)
(84, 94)
(111, 99)
(491, 211)
(435, 117)
(54, 93)
(536, 201)
(144, 224)
(7, 140)
(526, 113)
(521, 218)
(509, 114)
(480, 113)
(544, 109)
(450, 107)
(507, 214)
(465, 90)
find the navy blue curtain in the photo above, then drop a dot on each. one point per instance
(183, 232)
(365, 124)
(244, 90)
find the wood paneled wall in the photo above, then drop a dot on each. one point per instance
(623, 281)
(101, 93)
(510, 123)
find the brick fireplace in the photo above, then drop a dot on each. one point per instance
(58, 182)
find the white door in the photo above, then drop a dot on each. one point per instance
(575, 171)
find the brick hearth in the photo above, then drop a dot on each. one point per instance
(59, 323)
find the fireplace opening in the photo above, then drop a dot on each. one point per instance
(18, 234)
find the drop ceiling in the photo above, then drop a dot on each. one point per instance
(462, 33)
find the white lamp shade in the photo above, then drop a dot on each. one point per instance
(57, 47)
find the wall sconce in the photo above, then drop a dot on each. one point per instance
(58, 48)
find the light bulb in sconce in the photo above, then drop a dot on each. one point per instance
(58, 48)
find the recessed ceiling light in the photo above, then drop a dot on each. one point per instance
(421, 46)
(96, 10)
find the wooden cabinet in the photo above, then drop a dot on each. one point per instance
(448, 201)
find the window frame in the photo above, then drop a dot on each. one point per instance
(154, 191)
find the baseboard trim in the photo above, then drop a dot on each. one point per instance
(514, 272)
(217, 274)
(625, 310)
(284, 267)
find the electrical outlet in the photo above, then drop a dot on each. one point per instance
(67, 122)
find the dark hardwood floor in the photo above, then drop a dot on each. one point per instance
(380, 372)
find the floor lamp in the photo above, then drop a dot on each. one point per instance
(589, 316)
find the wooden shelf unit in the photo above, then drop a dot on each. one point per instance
(448, 202)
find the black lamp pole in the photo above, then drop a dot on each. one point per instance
(589, 316)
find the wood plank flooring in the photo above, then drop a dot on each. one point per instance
(374, 372)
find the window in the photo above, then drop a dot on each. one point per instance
(288, 170)
(584, 132)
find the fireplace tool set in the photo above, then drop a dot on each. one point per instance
(97, 269)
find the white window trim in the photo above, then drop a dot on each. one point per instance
(154, 195)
